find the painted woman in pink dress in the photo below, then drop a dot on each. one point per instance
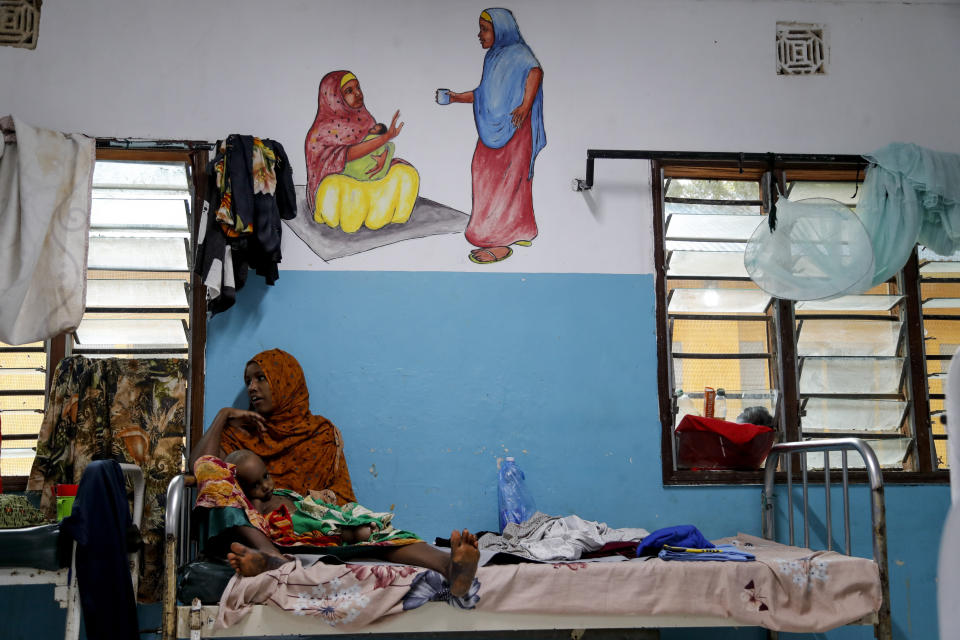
(352, 178)
(508, 110)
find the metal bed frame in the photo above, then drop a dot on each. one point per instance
(197, 620)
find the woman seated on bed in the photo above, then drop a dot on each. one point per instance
(304, 454)
(352, 177)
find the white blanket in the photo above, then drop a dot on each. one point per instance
(45, 186)
(548, 538)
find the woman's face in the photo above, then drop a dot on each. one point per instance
(258, 389)
(486, 33)
(352, 94)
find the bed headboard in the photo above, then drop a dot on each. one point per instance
(825, 446)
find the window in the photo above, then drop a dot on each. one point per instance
(141, 298)
(869, 365)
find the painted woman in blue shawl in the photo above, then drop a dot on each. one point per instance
(508, 110)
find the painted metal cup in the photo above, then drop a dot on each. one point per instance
(443, 96)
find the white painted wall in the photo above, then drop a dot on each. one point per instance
(654, 74)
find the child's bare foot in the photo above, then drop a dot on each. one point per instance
(247, 561)
(464, 556)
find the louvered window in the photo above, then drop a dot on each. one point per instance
(138, 278)
(139, 298)
(870, 365)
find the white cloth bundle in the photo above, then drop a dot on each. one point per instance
(45, 198)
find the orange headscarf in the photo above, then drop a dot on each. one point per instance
(303, 451)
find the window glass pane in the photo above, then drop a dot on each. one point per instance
(848, 338)
(940, 270)
(942, 459)
(155, 175)
(131, 333)
(21, 422)
(737, 399)
(850, 303)
(840, 414)
(22, 379)
(715, 264)
(851, 376)
(847, 193)
(717, 209)
(714, 227)
(890, 453)
(139, 214)
(719, 301)
(163, 254)
(939, 305)
(21, 403)
(719, 336)
(16, 462)
(714, 189)
(136, 293)
(705, 247)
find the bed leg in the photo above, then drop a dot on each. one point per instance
(170, 589)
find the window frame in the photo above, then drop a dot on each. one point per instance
(196, 156)
(709, 166)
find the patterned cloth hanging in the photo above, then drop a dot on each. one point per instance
(121, 409)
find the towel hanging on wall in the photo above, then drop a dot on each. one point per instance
(45, 186)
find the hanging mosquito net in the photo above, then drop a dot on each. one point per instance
(818, 249)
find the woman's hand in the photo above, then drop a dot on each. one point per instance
(250, 421)
(228, 417)
(361, 149)
(530, 88)
(394, 129)
(520, 114)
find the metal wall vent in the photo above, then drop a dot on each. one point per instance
(802, 49)
(19, 23)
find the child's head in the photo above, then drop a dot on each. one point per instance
(378, 129)
(252, 474)
(756, 415)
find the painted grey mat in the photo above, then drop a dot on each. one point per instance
(428, 218)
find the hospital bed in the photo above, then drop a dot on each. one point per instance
(599, 605)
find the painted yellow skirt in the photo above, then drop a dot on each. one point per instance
(348, 203)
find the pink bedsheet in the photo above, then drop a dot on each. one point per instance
(785, 589)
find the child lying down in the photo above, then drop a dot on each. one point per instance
(257, 520)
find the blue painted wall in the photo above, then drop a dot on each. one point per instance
(434, 376)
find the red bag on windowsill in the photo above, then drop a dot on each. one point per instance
(708, 443)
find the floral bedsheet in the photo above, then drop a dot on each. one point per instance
(786, 589)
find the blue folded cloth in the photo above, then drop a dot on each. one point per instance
(725, 552)
(684, 535)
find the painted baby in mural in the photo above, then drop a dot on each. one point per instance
(353, 177)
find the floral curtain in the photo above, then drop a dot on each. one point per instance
(128, 410)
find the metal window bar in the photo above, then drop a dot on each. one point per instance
(877, 508)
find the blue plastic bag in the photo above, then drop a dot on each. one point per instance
(516, 503)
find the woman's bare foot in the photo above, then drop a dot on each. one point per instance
(247, 561)
(464, 556)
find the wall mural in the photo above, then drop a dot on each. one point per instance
(361, 194)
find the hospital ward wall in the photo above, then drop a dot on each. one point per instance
(436, 368)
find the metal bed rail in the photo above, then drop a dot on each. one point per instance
(176, 529)
(882, 628)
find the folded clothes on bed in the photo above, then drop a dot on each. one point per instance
(724, 552)
(683, 535)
